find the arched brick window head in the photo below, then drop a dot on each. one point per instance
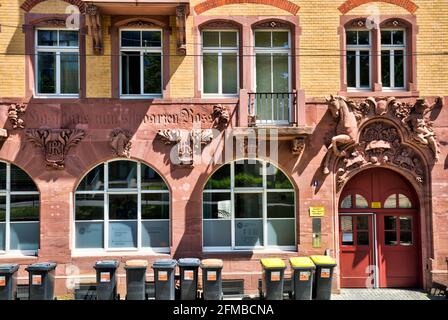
(30, 4)
(281, 4)
(351, 4)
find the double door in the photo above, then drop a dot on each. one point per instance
(379, 250)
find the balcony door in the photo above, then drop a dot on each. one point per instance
(273, 97)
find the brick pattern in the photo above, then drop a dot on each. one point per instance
(282, 4)
(29, 4)
(351, 4)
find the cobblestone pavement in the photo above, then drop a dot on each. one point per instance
(383, 294)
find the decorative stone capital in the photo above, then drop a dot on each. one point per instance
(221, 115)
(55, 143)
(298, 145)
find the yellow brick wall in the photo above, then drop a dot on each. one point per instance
(182, 67)
(12, 48)
(319, 62)
(98, 67)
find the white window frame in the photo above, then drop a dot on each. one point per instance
(391, 48)
(57, 50)
(358, 48)
(274, 50)
(8, 193)
(142, 51)
(106, 191)
(220, 51)
(238, 190)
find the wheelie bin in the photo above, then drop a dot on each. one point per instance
(323, 277)
(212, 279)
(303, 274)
(8, 281)
(106, 280)
(135, 279)
(164, 270)
(273, 278)
(41, 280)
(188, 268)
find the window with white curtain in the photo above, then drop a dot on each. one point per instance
(57, 62)
(248, 204)
(19, 211)
(122, 205)
(220, 62)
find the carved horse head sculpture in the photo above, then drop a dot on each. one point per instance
(345, 113)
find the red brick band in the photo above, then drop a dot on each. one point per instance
(281, 4)
(29, 4)
(351, 4)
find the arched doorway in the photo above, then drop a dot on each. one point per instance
(379, 231)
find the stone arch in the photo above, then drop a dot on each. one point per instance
(30, 4)
(348, 5)
(281, 4)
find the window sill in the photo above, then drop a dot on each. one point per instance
(385, 92)
(141, 97)
(56, 96)
(18, 255)
(287, 251)
(111, 253)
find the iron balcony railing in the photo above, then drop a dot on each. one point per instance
(272, 108)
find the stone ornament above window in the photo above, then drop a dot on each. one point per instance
(120, 142)
(15, 114)
(380, 142)
(55, 143)
(221, 115)
(188, 143)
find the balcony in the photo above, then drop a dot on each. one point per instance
(272, 108)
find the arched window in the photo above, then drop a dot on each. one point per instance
(122, 205)
(19, 211)
(354, 201)
(248, 204)
(398, 200)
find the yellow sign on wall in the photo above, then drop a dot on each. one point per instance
(376, 205)
(317, 211)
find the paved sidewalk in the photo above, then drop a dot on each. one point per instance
(383, 294)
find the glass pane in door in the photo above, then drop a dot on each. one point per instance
(264, 84)
(280, 84)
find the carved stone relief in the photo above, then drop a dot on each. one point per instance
(221, 115)
(187, 142)
(15, 113)
(120, 142)
(379, 144)
(93, 21)
(55, 143)
(298, 145)
(380, 141)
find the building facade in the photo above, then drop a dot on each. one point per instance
(235, 129)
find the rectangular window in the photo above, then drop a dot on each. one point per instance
(141, 62)
(358, 59)
(57, 62)
(220, 62)
(393, 51)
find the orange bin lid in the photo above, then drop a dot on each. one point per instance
(211, 263)
(136, 263)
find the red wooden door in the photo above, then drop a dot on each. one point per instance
(357, 250)
(393, 250)
(398, 250)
